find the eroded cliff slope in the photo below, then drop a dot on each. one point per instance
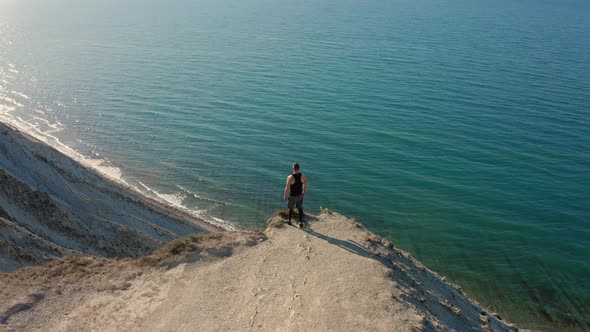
(52, 206)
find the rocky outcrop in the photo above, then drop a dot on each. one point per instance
(330, 275)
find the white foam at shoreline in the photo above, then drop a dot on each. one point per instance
(197, 196)
(172, 199)
(11, 101)
(6, 109)
(176, 200)
(110, 172)
(43, 129)
(20, 94)
(113, 173)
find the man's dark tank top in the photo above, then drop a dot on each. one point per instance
(297, 187)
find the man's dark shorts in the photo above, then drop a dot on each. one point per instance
(295, 201)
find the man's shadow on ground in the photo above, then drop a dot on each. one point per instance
(413, 291)
(347, 245)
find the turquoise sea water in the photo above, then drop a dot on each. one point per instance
(459, 129)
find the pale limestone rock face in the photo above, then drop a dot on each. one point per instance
(51, 206)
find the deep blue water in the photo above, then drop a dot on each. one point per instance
(458, 129)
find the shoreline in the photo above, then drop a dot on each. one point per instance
(53, 205)
(84, 162)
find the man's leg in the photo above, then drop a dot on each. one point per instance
(291, 203)
(300, 208)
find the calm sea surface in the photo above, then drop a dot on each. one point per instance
(458, 129)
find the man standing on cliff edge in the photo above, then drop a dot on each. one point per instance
(295, 192)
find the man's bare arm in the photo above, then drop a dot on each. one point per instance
(305, 186)
(287, 187)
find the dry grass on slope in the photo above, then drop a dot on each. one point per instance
(61, 284)
(202, 246)
(75, 270)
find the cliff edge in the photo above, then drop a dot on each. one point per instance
(331, 275)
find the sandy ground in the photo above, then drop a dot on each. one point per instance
(333, 275)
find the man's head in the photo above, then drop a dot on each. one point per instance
(295, 167)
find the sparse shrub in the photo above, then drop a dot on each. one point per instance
(285, 214)
(84, 260)
(484, 319)
(457, 287)
(445, 303)
(369, 237)
(276, 223)
(196, 243)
